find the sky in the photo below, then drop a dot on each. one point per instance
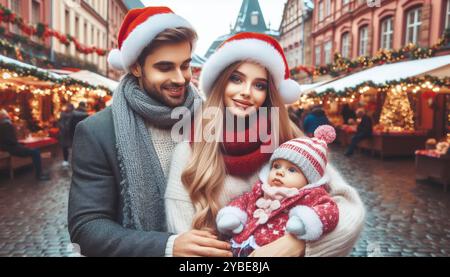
(212, 18)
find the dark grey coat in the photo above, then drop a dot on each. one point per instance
(95, 209)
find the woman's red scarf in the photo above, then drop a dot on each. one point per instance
(245, 158)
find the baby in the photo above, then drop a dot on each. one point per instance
(291, 197)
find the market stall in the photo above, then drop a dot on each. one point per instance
(434, 163)
(94, 79)
(407, 106)
(34, 97)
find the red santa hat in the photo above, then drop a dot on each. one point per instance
(138, 29)
(259, 48)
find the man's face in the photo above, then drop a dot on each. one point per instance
(166, 73)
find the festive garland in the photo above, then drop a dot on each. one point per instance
(42, 31)
(20, 53)
(343, 65)
(45, 76)
(412, 81)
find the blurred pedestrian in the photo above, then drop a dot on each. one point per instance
(314, 119)
(363, 131)
(10, 144)
(348, 113)
(65, 132)
(79, 114)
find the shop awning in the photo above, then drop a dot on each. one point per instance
(305, 88)
(387, 72)
(94, 79)
(8, 60)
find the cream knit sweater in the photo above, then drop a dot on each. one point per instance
(163, 144)
(180, 211)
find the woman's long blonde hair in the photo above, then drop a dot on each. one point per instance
(205, 173)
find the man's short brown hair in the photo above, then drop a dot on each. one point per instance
(168, 36)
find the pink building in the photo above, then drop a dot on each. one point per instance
(32, 12)
(359, 27)
(116, 13)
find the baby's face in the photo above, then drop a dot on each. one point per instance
(286, 174)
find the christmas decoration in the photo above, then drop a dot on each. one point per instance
(344, 66)
(42, 31)
(412, 84)
(397, 114)
(44, 76)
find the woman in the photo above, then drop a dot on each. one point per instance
(247, 72)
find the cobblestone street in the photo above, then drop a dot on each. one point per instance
(403, 218)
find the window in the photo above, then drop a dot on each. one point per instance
(77, 32)
(67, 29)
(447, 15)
(320, 11)
(328, 7)
(85, 32)
(413, 23)
(254, 18)
(92, 35)
(35, 16)
(317, 55)
(387, 33)
(345, 2)
(327, 50)
(345, 45)
(363, 40)
(15, 7)
(35, 12)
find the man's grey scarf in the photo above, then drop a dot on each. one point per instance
(143, 183)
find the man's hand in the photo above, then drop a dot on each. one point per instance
(286, 246)
(196, 243)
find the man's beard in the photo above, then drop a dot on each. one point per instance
(158, 94)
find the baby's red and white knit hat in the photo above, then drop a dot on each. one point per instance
(308, 154)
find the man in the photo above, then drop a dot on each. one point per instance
(10, 144)
(79, 114)
(363, 131)
(122, 154)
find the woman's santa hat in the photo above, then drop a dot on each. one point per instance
(259, 48)
(138, 30)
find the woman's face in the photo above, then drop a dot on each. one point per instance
(246, 89)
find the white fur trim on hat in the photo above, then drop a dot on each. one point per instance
(234, 211)
(290, 91)
(254, 50)
(143, 35)
(115, 59)
(312, 222)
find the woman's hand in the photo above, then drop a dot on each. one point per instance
(286, 246)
